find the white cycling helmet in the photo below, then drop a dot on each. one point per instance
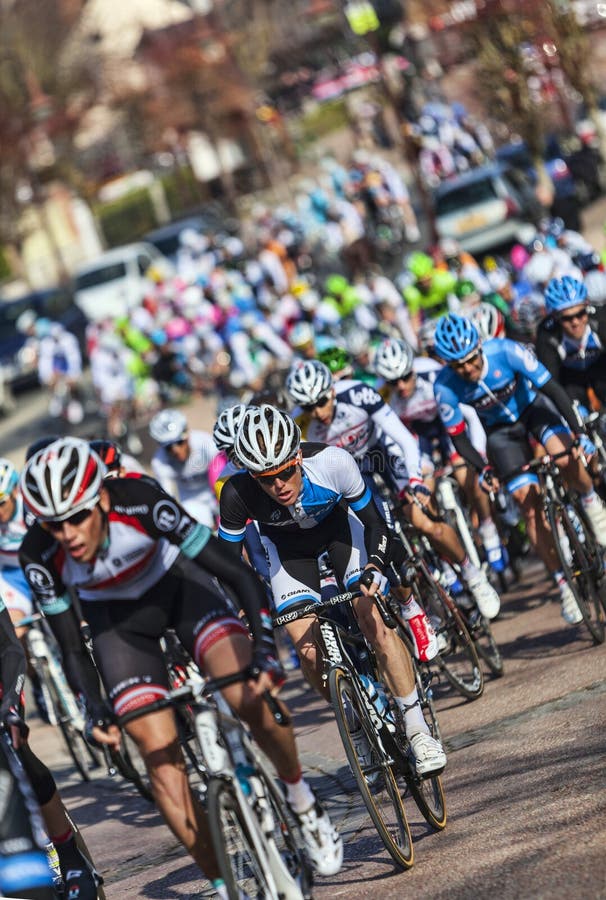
(168, 426)
(489, 321)
(62, 479)
(226, 426)
(266, 438)
(393, 359)
(307, 382)
(9, 478)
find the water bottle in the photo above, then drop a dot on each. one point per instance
(243, 774)
(578, 525)
(379, 700)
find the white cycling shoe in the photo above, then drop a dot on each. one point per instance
(596, 513)
(322, 840)
(570, 608)
(429, 755)
(487, 599)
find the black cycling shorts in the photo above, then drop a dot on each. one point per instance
(126, 633)
(509, 446)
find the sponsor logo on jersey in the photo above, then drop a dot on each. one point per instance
(166, 515)
(365, 396)
(39, 577)
(142, 509)
(446, 412)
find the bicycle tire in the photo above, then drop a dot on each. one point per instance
(485, 643)
(287, 834)
(384, 801)
(458, 661)
(83, 756)
(241, 871)
(131, 767)
(579, 569)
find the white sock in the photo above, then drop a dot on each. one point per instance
(299, 796)
(410, 608)
(489, 534)
(468, 569)
(413, 714)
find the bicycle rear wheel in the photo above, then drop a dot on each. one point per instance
(582, 568)
(458, 660)
(242, 871)
(383, 799)
(485, 643)
(82, 754)
(131, 767)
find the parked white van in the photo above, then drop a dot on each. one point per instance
(115, 283)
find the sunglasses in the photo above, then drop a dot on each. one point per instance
(395, 381)
(77, 519)
(4, 499)
(461, 363)
(178, 443)
(285, 473)
(572, 317)
(319, 404)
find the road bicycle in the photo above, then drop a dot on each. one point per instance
(581, 558)
(257, 841)
(387, 774)
(29, 866)
(62, 707)
(422, 573)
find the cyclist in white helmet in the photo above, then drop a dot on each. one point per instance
(489, 321)
(408, 388)
(355, 416)
(308, 499)
(141, 564)
(182, 461)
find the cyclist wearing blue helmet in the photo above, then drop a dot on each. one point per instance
(571, 340)
(502, 379)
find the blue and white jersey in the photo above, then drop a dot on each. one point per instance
(330, 475)
(11, 537)
(504, 391)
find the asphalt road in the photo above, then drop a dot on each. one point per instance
(524, 784)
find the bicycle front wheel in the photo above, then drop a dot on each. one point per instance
(243, 872)
(374, 776)
(582, 567)
(485, 644)
(458, 660)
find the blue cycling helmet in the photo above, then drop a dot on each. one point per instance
(455, 338)
(561, 293)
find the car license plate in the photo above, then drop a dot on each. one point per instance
(471, 222)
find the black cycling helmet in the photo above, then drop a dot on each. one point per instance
(110, 453)
(40, 444)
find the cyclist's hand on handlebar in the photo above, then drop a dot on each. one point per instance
(420, 492)
(488, 481)
(372, 581)
(270, 675)
(100, 730)
(110, 735)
